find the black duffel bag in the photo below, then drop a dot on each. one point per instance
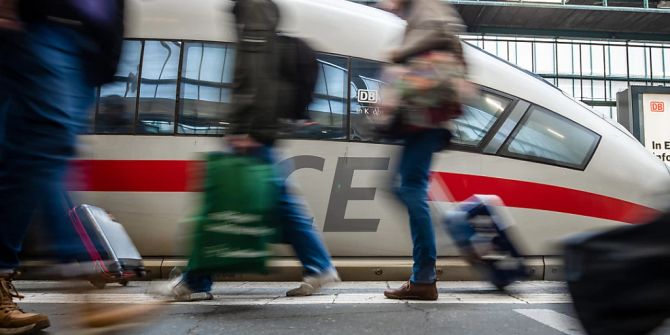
(620, 279)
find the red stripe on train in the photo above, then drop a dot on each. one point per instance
(182, 176)
(523, 194)
(134, 175)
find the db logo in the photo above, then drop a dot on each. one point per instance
(367, 96)
(658, 106)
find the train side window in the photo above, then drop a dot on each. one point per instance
(479, 115)
(158, 87)
(547, 137)
(366, 89)
(206, 88)
(328, 107)
(116, 107)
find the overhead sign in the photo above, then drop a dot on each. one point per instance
(657, 124)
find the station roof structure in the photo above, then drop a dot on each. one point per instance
(606, 19)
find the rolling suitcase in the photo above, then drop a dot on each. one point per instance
(109, 247)
(482, 232)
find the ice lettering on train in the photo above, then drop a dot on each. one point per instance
(342, 191)
(296, 163)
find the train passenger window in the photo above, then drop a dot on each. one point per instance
(328, 107)
(366, 89)
(547, 137)
(478, 117)
(207, 74)
(158, 87)
(116, 107)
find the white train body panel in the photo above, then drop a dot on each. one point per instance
(620, 170)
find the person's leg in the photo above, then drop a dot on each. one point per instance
(188, 286)
(44, 86)
(414, 172)
(297, 229)
(54, 112)
(296, 225)
(12, 232)
(413, 192)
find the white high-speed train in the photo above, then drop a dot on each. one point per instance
(558, 166)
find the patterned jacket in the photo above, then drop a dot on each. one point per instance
(426, 90)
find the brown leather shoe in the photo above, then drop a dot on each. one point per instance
(413, 291)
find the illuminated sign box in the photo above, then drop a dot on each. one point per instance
(642, 110)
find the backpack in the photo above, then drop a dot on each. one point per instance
(298, 73)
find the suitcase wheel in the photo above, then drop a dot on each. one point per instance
(140, 273)
(124, 283)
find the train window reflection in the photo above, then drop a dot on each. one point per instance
(547, 137)
(158, 87)
(328, 108)
(116, 109)
(207, 73)
(478, 117)
(366, 77)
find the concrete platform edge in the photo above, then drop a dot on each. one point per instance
(351, 269)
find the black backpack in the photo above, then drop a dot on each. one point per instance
(298, 73)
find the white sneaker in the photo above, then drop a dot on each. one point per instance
(312, 284)
(178, 290)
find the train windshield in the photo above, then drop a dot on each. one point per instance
(547, 137)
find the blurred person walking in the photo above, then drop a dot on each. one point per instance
(53, 53)
(430, 45)
(254, 124)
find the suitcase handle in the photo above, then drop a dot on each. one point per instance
(86, 240)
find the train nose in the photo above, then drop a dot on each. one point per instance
(658, 185)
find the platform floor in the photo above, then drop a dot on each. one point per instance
(468, 308)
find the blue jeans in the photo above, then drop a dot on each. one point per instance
(414, 171)
(296, 227)
(44, 98)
